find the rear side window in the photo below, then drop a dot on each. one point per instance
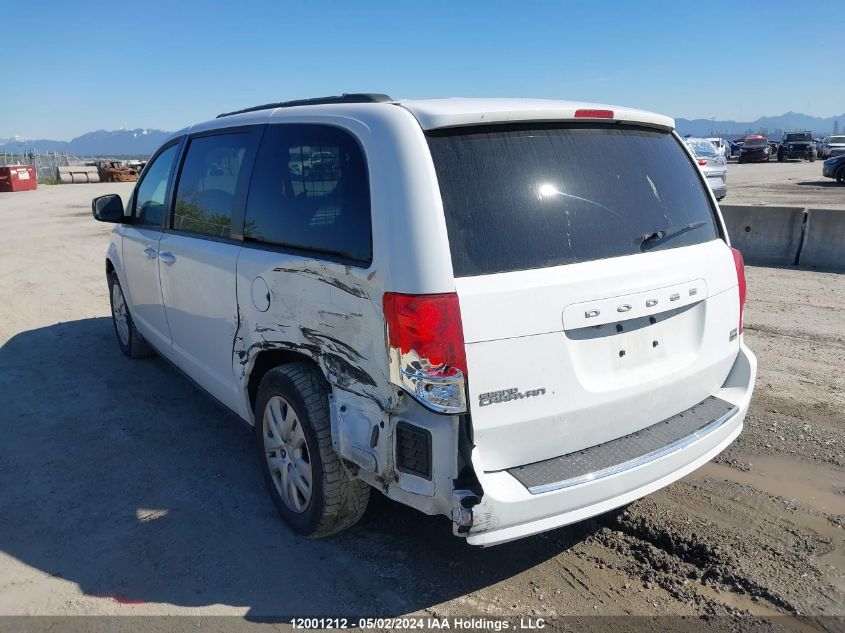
(522, 197)
(205, 192)
(310, 191)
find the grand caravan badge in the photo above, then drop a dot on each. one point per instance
(506, 395)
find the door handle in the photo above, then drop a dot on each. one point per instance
(166, 257)
(150, 252)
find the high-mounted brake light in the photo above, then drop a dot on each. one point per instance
(740, 277)
(593, 114)
(426, 341)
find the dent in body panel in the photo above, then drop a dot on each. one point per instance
(325, 312)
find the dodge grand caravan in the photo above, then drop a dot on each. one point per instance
(514, 313)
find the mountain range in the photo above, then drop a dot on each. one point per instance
(768, 125)
(142, 142)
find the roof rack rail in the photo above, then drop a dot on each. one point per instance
(346, 97)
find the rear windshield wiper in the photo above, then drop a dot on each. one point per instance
(649, 240)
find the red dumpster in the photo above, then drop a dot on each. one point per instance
(18, 178)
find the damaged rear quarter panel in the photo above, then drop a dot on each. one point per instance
(332, 312)
(325, 311)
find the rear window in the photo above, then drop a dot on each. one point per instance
(522, 197)
(791, 138)
(701, 148)
(756, 142)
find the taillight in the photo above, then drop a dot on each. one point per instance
(593, 114)
(426, 343)
(702, 161)
(740, 277)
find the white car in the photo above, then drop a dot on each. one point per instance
(723, 148)
(712, 164)
(834, 146)
(514, 313)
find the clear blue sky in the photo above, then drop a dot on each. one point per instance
(75, 66)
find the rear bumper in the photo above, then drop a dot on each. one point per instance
(508, 510)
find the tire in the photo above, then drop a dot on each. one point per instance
(812, 158)
(780, 158)
(840, 175)
(293, 399)
(130, 340)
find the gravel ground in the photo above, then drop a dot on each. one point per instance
(791, 183)
(125, 491)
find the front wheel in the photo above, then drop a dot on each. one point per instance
(309, 486)
(840, 175)
(130, 340)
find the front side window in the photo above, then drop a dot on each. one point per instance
(310, 190)
(149, 202)
(535, 195)
(205, 192)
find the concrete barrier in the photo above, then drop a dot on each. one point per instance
(765, 235)
(78, 173)
(824, 239)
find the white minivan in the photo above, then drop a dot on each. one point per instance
(514, 313)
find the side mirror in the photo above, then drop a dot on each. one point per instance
(108, 208)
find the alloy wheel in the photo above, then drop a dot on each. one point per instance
(121, 314)
(287, 455)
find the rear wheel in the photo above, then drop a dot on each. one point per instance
(311, 490)
(840, 175)
(131, 342)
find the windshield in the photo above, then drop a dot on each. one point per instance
(836, 139)
(791, 138)
(755, 142)
(527, 196)
(702, 148)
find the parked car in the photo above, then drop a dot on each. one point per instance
(713, 165)
(797, 145)
(754, 149)
(818, 144)
(773, 148)
(835, 168)
(514, 313)
(834, 146)
(722, 146)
